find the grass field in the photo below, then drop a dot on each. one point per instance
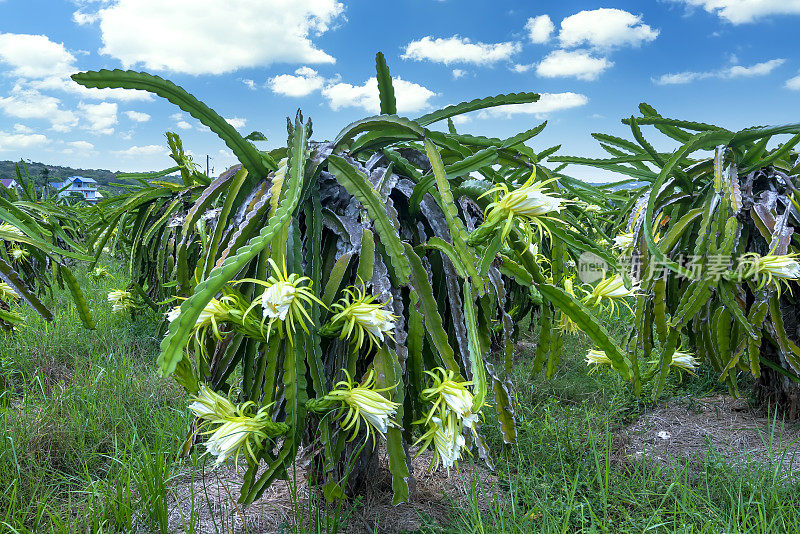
(92, 433)
(566, 474)
(84, 416)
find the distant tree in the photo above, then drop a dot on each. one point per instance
(44, 178)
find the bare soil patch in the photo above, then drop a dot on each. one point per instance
(214, 500)
(689, 430)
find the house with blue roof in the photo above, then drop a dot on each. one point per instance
(86, 187)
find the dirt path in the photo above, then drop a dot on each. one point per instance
(214, 500)
(689, 429)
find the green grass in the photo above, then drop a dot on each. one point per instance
(91, 435)
(567, 473)
(83, 413)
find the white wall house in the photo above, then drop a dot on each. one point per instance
(85, 187)
(9, 183)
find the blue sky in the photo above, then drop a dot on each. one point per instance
(730, 62)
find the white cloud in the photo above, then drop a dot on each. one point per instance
(81, 146)
(34, 56)
(759, 69)
(540, 28)
(137, 151)
(21, 128)
(82, 19)
(250, 84)
(459, 73)
(734, 71)
(30, 104)
(137, 116)
(547, 103)
(44, 65)
(572, 63)
(523, 68)
(101, 117)
(237, 122)
(793, 83)
(65, 84)
(459, 50)
(303, 82)
(462, 119)
(605, 28)
(213, 37)
(744, 11)
(410, 96)
(678, 78)
(21, 141)
(181, 122)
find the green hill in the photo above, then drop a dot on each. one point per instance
(56, 173)
(42, 173)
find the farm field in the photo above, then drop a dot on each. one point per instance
(93, 436)
(434, 266)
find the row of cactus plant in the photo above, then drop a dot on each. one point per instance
(351, 289)
(334, 295)
(714, 251)
(40, 241)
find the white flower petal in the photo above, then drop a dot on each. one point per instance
(229, 438)
(278, 299)
(597, 357)
(448, 441)
(373, 407)
(624, 241)
(685, 360)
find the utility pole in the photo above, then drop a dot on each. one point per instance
(208, 159)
